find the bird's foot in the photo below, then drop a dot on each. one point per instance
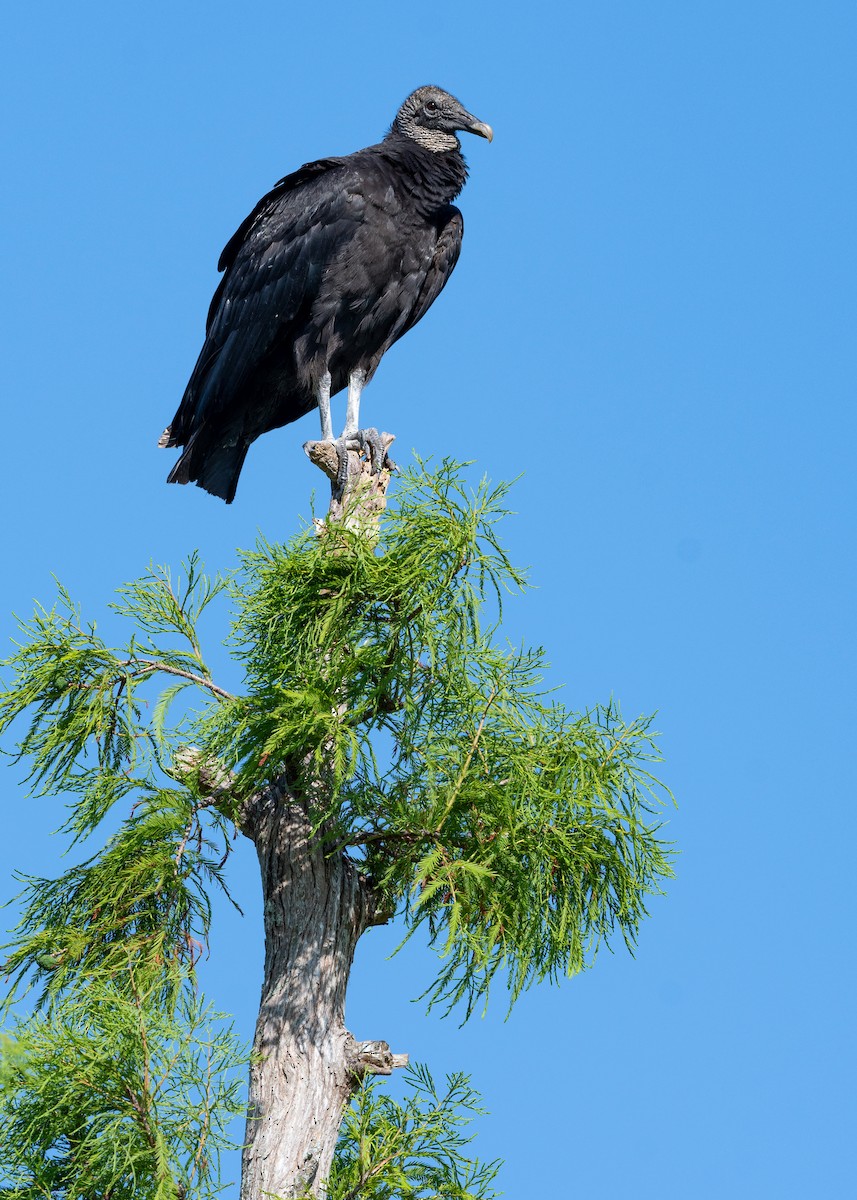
(372, 445)
(367, 442)
(331, 454)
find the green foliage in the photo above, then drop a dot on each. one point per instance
(415, 1150)
(86, 727)
(90, 735)
(112, 1095)
(145, 894)
(517, 834)
(122, 1084)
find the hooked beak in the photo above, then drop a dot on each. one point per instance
(471, 125)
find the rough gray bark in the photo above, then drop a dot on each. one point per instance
(316, 906)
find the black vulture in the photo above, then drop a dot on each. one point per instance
(330, 268)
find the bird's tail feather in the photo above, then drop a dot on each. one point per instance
(214, 468)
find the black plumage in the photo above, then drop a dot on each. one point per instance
(331, 267)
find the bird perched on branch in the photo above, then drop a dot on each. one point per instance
(329, 269)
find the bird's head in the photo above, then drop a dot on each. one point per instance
(431, 117)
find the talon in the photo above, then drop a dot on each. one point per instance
(341, 444)
(372, 447)
(367, 442)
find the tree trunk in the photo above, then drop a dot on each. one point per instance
(306, 1064)
(316, 907)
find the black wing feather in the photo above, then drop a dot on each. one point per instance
(445, 257)
(271, 265)
(287, 184)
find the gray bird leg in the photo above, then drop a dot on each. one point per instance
(353, 437)
(324, 407)
(369, 440)
(356, 381)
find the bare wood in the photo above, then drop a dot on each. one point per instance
(364, 497)
(372, 1058)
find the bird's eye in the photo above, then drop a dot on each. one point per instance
(432, 108)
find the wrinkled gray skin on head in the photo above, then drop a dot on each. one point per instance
(431, 117)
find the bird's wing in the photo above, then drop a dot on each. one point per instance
(271, 267)
(446, 252)
(288, 183)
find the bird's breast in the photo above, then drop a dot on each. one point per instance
(368, 289)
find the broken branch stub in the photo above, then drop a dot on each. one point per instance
(362, 499)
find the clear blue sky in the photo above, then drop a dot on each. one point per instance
(653, 319)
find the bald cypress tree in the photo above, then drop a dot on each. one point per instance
(387, 755)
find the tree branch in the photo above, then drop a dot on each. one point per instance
(409, 836)
(149, 665)
(467, 761)
(371, 1058)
